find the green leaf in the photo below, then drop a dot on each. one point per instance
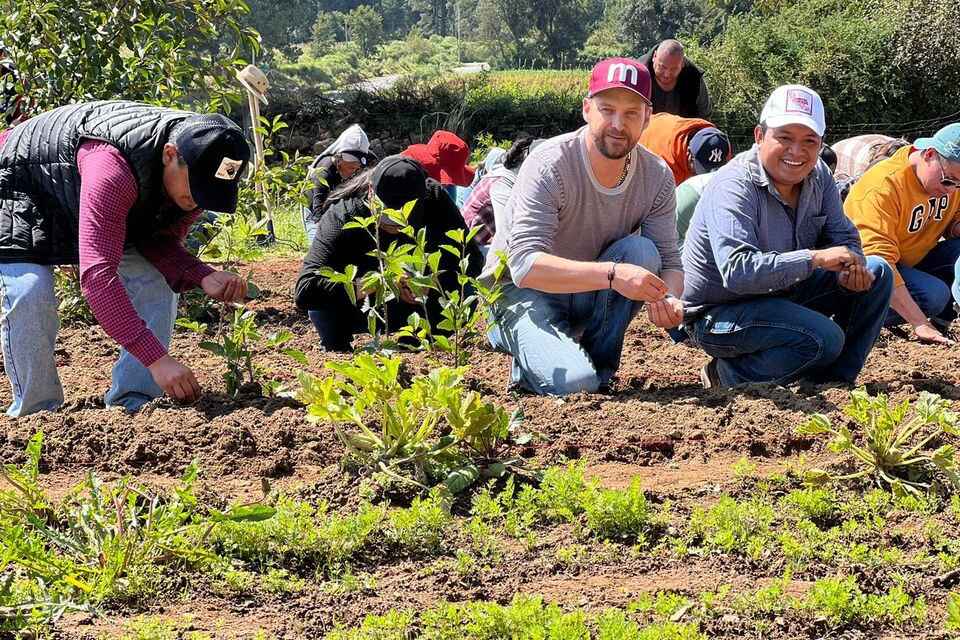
(213, 347)
(297, 355)
(461, 478)
(245, 513)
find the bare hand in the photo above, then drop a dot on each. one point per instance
(636, 283)
(666, 313)
(176, 380)
(928, 333)
(225, 286)
(856, 278)
(836, 258)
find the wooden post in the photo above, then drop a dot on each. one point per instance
(258, 161)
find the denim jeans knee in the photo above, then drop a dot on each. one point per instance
(155, 302)
(636, 250)
(28, 331)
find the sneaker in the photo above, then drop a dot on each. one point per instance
(709, 377)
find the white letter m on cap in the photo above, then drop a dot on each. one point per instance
(624, 69)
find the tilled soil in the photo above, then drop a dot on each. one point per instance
(657, 423)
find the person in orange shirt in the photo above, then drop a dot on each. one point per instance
(690, 146)
(908, 212)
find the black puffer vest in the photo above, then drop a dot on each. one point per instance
(40, 181)
(687, 89)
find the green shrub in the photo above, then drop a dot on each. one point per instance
(421, 528)
(612, 514)
(731, 526)
(870, 60)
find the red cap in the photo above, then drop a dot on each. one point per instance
(452, 155)
(620, 73)
(421, 154)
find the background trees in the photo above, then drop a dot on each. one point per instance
(157, 51)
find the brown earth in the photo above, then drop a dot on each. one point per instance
(658, 423)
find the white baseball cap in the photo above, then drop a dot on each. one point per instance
(794, 104)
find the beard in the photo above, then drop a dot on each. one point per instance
(611, 151)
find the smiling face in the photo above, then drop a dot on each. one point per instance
(788, 154)
(615, 119)
(176, 178)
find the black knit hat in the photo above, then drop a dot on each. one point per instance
(397, 180)
(216, 154)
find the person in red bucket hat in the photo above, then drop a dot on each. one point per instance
(444, 158)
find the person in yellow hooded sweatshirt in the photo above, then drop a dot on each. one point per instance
(907, 211)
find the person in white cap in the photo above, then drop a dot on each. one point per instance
(339, 162)
(776, 285)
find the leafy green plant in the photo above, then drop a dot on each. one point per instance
(840, 600)
(612, 514)
(731, 526)
(418, 433)
(408, 265)
(464, 310)
(819, 505)
(148, 50)
(893, 445)
(420, 529)
(236, 346)
(399, 265)
(72, 309)
(952, 622)
(98, 543)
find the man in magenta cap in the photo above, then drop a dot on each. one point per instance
(590, 235)
(445, 159)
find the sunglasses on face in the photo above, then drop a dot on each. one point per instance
(944, 180)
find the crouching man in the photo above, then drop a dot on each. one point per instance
(590, 235)
(112, 186)
(776, 284)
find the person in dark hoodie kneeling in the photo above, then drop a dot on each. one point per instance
(396, 180)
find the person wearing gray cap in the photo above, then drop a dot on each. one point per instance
(396, 180)
(776, 285)
(135, 179)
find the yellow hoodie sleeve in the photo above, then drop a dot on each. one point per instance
(877, 216)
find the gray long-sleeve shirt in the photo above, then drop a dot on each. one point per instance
(557, 207)
(744, 241)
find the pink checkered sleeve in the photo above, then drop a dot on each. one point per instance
(180, 268)
(108, 190)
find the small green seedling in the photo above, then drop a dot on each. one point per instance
(901, 449)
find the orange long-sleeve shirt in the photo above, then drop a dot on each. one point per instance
(668, 136)
(897, 220)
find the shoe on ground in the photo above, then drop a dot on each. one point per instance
(709, 377)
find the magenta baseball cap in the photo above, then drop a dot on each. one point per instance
(620, 73)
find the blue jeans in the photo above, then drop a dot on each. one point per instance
(310, 227)
(539, 329)
(782, 339)
(29, 325)
(931, 282)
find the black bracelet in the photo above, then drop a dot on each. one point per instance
(611, 275)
